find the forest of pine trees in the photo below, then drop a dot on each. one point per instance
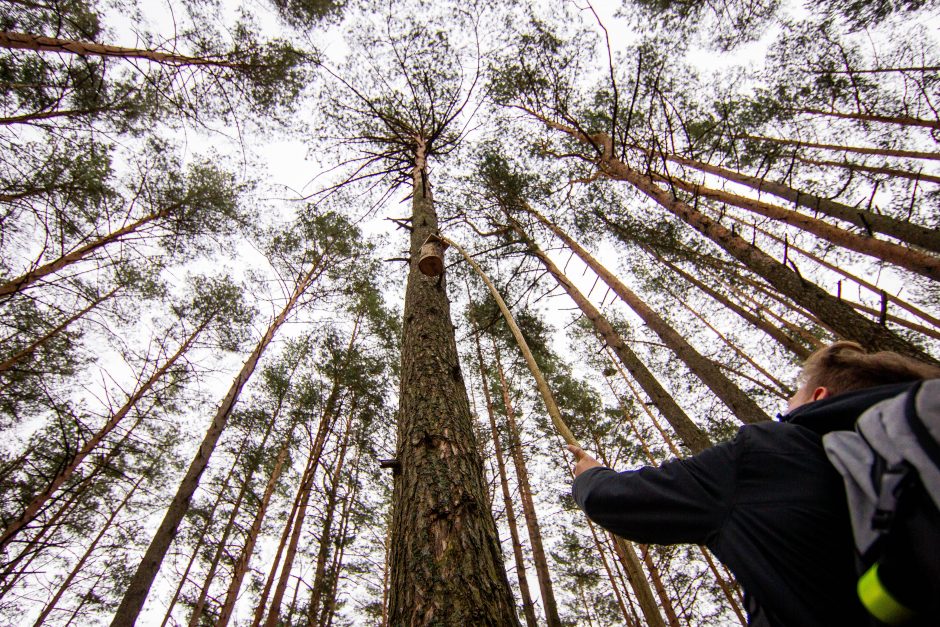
(229, 395)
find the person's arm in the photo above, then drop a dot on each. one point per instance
(681, 501)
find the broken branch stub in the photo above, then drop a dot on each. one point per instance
(431, 259)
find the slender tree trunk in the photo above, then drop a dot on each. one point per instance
(641, 587)
(742, 405)
(282, 543)
(903, 230)
(446, 562)
(883, 152)
(861, 167)
(900, 120)
(28, 350)
(204, 532)
(87, 554)
(38, 43)
(771, 330)
(661, 592)
(221, 548)
(37, 502)
(59, 113)
(528, 607)
(528, 505)
(688, 431)
(610, 575)
(323, 552)
(139, 586)
(25, 280)
(241, 563)
(907, 258)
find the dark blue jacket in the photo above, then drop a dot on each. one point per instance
(768, 504)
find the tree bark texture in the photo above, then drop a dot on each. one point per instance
(446, 563)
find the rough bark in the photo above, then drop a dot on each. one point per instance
(446, 562)
(528, 505)
(528, 608)
(742, 405)
(139, 587)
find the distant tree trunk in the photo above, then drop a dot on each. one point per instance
(39, 43)
(204, 532)
(870, 221)
(656, 577)
(23, 281)
(528, 608)
(770, 329)
(326, 530)
(641, 587)
(446, 564)
(871, 169)
(140, 583)
(29, 349)
(689, 433)
(742, 405)
(907, 258)
(884, 152)
(275, 564)
(610, 575)
(900, 120)
(37, 501)
(241, 563)
(221, 548)
(528, 505)
(87, 554)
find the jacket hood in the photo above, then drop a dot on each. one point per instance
(841, 411)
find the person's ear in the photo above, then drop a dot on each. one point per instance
(821, 393)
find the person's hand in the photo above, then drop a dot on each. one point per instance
(583, 461)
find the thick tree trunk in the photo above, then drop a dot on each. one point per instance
(37, 502)
(528, 607)
(446, 565)
(907, 258)
(140, 583)
(742, 405)
(241, 563)
(528, 505)
(690, 433)
(26, 279)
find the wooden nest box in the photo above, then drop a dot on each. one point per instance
(431, 259)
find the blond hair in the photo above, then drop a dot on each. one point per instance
(846, 366)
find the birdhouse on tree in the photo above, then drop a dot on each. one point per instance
(431, 259)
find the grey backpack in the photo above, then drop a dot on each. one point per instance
(891, 468)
